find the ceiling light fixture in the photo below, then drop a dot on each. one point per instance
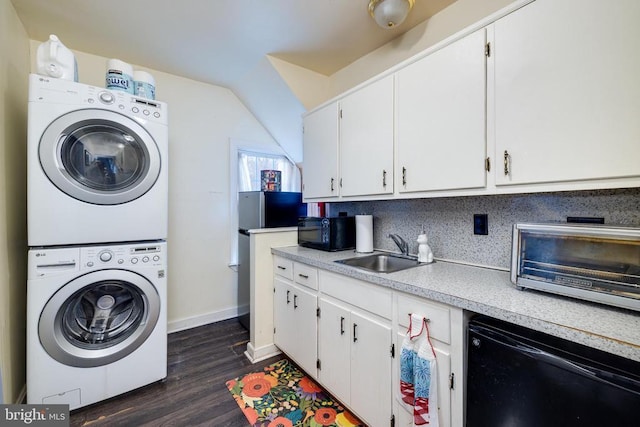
(390, 13)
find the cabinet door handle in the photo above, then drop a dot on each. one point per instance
(341, 325)
(404, 176)
(340, 182)
(384, 178)
(288, 301)
(331, 184)
(295, 301)
(304, 276)
(506, 162)
(282, 268)
(355, 332)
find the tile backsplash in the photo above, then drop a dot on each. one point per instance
(448, 221)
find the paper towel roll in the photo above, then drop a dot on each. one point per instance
(119, 76)
(364, 233)
(144, 84)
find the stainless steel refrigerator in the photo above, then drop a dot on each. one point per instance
(261, 209)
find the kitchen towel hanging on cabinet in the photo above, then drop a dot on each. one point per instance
(418, 373)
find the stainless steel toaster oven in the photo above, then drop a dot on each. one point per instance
(591, 262)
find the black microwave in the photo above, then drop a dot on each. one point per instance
(327, 234)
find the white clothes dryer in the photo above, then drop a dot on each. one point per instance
(96, 165)
(96, 321)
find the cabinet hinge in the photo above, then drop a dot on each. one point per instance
(318, 312)
(451, 381)
(487, 164)
(392, 422)
(487, 49)
(393, 350)
(318, 364)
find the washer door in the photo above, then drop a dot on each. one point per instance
(99, 157)
(99, 318)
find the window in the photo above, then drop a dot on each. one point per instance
(250, 164)
(246, 160)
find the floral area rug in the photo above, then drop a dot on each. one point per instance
(283, 396)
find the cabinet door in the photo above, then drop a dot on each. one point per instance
(295, 321)
(334, 347)
(443, 363)
(283, 316)
(305, 348)
(320, 153)
(371, 369)
(566, 91)
(366, 140)
(441, 119)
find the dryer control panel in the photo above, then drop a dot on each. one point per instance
(59, 91)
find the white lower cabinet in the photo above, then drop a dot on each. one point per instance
(295, 322)
(354, 346)
(347, 334)
(334, 348)
(371, 369)
(445, 325)
(354, 350)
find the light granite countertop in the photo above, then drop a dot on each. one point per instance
(490, 292)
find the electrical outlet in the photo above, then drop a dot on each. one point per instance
(480, 224)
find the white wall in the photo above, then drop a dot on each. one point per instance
(268, 96)
(14, 67)
(202, 119)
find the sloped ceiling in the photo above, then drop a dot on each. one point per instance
(240, 44)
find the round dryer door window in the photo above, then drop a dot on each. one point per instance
(99, 156)
(99, 318)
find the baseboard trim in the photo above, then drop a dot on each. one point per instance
(204, 319)
(256, 355)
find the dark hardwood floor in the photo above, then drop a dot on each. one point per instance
(200, 361)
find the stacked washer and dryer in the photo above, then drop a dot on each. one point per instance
(97, 227)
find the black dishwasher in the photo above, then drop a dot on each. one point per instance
(519, 377)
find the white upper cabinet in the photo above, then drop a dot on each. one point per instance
(320, 153)
(553, 107)
(441, 119)
(366, 140)
(567, 94)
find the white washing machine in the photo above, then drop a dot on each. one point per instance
(96, 165)
(96, 321)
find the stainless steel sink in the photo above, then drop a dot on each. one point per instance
(381, 263)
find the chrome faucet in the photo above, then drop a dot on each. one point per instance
(400, 242)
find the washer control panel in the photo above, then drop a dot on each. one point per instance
(141, 254)
(106, 97)
(48, 262)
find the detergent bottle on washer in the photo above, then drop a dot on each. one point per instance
(54, 59)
